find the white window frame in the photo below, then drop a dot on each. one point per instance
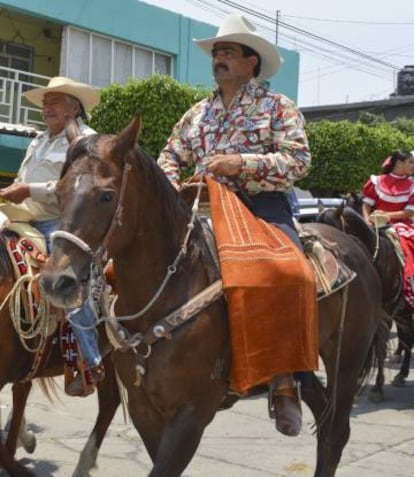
(65, 57)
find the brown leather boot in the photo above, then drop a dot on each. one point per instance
(284, 405)
(84, 383)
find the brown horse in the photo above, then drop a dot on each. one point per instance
(383, 254)
(113, 196)
(15, 365)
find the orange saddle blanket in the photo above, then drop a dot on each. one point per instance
(271, 294)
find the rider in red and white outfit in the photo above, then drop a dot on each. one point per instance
(391, 194)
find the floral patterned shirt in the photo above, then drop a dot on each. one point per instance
(264, 127)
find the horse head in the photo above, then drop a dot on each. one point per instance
(331, 216)
(92, 191)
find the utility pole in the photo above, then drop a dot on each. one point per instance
(277, 26)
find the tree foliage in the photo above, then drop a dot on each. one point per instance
(160, 100)
(344, 154)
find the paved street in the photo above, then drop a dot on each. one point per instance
(240, 442)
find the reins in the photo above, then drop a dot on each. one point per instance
(171, 269)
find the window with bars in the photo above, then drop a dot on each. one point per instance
(16, 56)
(100, 60)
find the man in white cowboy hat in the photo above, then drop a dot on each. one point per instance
(34, 187)
(253, 139)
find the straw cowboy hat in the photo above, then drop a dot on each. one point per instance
(88, 96)
(237, 29)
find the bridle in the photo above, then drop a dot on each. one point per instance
(99, 255)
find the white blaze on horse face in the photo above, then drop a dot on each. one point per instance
(77, 183)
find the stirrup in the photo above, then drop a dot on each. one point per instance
(272, 393)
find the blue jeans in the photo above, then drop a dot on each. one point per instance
(80, 318)
(46, 227)
(83, 321)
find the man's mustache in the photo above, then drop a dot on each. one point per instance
(220, 66)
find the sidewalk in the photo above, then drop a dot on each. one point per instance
(240, 442)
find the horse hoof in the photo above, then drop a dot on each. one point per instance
(398, 381)
(29, 442)
(375, 396)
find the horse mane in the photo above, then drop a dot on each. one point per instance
(86, 145)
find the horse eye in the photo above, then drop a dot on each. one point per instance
(107, 196)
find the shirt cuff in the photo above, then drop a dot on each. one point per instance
(250, 166)
(43, 191)
(368, 201)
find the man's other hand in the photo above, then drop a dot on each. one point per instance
(225, 164)
(16, 192)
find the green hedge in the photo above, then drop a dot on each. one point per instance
(160, 100)
(344, 154)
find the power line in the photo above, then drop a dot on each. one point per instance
(338, 57)
(314, 36)
(361, 22)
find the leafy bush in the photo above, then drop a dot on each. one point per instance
(160, 100)
(344, 154)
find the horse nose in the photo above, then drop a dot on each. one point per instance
(62, 286)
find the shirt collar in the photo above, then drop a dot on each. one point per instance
(246, 93)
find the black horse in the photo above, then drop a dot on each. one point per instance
(384, 256)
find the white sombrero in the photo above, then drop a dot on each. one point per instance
(237, 29)
(88, 96)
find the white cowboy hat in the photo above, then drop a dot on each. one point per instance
(88, 96)
(237, 29)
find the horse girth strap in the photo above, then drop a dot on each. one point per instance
(164, 327)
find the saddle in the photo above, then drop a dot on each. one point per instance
(330, 272)
(27, 251)
(17, 219)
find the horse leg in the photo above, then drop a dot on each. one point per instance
(172, 436)
(178, 444)
(171, 445)
(376, 393)
(7, 460)
(315, 397)
(108, 400)
(405, 336)
(333, 428)
(16, 426)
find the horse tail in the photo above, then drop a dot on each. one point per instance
(377, 351)
(49, 388)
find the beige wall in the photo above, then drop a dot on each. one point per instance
(42, 35)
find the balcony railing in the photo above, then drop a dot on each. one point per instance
(14, 108)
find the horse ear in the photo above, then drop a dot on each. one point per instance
(72, 130)
(127, 138)
(321, 207)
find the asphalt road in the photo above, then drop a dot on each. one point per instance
(240, 442)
